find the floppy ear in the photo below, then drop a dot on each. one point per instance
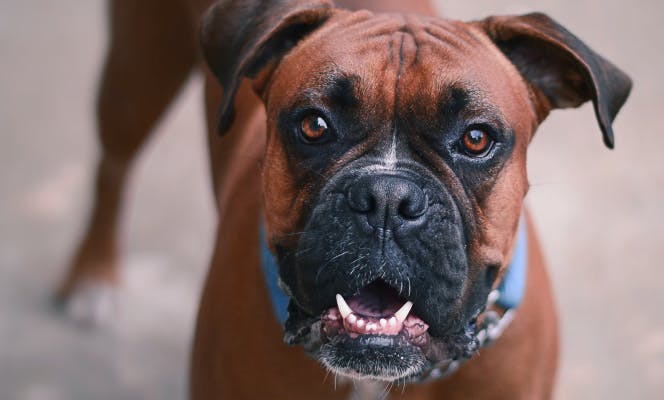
(241, 38)
(561, 69)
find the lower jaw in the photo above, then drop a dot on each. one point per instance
(393, 358)
(377, 357)
(340, 353)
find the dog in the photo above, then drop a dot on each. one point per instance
(382, 235)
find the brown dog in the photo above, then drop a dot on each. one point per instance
(390, 189)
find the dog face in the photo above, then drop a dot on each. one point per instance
(399, 168)
(395, 171)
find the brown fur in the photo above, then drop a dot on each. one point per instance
(247, 359)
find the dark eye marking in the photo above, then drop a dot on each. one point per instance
(340, 90)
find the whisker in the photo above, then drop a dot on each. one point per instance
(328, 263)
(293, 233)
(301, 164)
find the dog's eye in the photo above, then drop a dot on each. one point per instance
(313, 128)
(476, 143)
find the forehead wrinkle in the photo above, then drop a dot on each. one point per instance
(404, 55)
(451, 34)
(361, 26)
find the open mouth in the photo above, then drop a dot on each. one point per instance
(374, 334)
(376, 310)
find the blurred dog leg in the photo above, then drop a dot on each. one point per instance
(152, 52)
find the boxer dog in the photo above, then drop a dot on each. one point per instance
(387, 196)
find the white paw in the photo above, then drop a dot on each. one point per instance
(92, 304)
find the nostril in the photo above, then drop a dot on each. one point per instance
(414, 206)
(359, 199)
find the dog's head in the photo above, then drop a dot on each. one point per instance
(395, 166)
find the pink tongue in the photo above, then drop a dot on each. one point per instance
(375, 300)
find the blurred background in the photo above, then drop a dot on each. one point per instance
(600, 213)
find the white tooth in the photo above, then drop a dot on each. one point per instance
(393, 321)
(344, 309)
(360, 323)
(403, 311)
(352, 318)
(383, 322)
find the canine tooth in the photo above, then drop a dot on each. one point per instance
(493, 297)
(383, 322)
(403, 311)
(352, 318)
(344, 309)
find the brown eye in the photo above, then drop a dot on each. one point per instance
(476, 143)
(313, 128)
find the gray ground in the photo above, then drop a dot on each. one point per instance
(600, 213)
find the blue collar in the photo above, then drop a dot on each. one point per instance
(513, 286)
(510, 291)
(271, 274)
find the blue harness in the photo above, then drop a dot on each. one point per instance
(510, 292)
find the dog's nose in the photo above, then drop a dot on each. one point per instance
(389, 202)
